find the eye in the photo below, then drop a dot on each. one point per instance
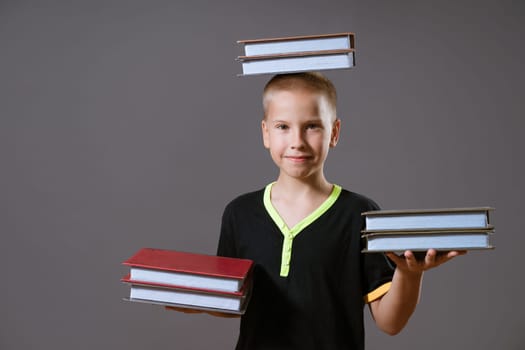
(281, 126)
(313, 126)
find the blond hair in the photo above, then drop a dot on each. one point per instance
(312, 81)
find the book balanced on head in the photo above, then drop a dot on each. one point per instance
(190, 280)
(298, 53)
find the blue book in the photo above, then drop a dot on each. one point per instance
(297, 44)
(443, 240)
(298, 54)
(428, 219)
(423, 229)
(298, 62)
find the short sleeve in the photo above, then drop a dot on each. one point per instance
(377, 270)
(377, 275)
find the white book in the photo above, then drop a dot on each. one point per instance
(422, 241)
(187, 298)
(185, 279)
(272, 46)
(326, 60)
(427, 219)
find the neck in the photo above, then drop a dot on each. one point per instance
(314, 185)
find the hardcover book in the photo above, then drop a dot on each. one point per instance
(427, 219)
(193, 298)
(424, 240)
(189, 270)
(298, 54)
(297, 62)
(294, 44)
(422, 229)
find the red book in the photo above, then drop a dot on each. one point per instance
(189, 270)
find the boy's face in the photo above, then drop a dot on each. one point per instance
(298, 130)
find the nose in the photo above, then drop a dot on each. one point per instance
(297, 141)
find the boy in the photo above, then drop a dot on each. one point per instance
(310, 280)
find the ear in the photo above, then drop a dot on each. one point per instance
(336, 128)
(265, 134)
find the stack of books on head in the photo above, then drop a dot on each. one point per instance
(298, 54)
(189, 280)
(420, 230)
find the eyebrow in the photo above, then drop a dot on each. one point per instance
(311, 120)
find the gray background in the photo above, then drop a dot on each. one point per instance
(123, 125)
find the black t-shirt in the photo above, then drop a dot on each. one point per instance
(309, 290)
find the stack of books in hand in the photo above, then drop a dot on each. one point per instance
(298, 53)
(189, 280)
(420, 230)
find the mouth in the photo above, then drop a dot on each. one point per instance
(298, 159)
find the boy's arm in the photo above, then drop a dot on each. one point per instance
(392, 311)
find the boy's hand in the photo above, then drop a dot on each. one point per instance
(222, 314)
(183, 309)
(392, 311)
(194, 311)
(409, 263)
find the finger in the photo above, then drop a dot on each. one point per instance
(222, 314)
(395, 258)
(398, 259)
(411, 260)
(191, 311)
(182, 309)
(450, 255)
(430, 258)
(454, 253)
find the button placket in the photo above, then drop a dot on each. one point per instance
(286, 253)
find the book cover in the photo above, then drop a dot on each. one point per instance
(243, 291)
(193, 298)
(291, 44)
(189, 269)
(297, 62)
(430, 219)
(427, 211)
(424, 240)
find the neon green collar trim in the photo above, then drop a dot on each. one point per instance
(290, 233)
